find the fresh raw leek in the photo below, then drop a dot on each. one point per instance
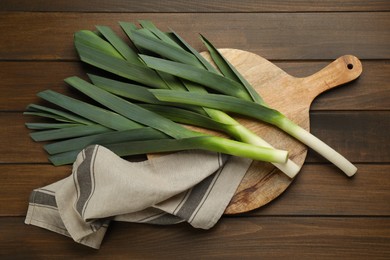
(109, 137)
(212, 119)
(263, 113)
(210, 143)
(146, 41)
(174, 82)
(124, 115)
(189, 71)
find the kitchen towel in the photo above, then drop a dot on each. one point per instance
(193, 186)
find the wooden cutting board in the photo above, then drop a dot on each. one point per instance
(292, 96)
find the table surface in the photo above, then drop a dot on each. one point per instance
(323, 214)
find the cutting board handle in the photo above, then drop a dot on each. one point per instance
(341, 71)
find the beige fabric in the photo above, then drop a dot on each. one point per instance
(192, 186)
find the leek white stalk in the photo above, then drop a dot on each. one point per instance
(317, 145)
(263, 113)
(243, 134)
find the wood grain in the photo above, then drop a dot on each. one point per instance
(232, 238)
(274, 36)
(374, 82)
(320, 190)
(19, 180)
(323, 215)
(199, 6)
(317, 190)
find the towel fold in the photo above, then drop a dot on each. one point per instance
(192, 186)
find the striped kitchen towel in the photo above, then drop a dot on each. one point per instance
(192, 186)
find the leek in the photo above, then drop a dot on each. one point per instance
(146, 41)
(124, 114)
(140, 117)
(263, 113)
(210, 143)
(189, 71)
(173, 69)
(217, 120)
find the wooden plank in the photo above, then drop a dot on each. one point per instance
(41, 36)
(198, 6)
(322, 190)
(350, 133)
(317, 190)
(23, 80)
(31, 77)
(233, 238)
(18, 180)
(360, 136)
(16, 142)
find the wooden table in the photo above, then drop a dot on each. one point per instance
(323, 214)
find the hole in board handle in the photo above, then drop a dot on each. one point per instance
(350, 66)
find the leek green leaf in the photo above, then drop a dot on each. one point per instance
(201, 59)
(145, 133)
(159, 34)
(123, 48)
(123, 89)
(200, 76)
(58, 114)
(42, 126)
(68, 132)
(135, 92)
(164, 49)
(221, 102)
(48, 115)
(99, 115)
(129, 110)
(230, 71)
(128, 28)
(184, 116)
(119, 66)
(92, 40)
